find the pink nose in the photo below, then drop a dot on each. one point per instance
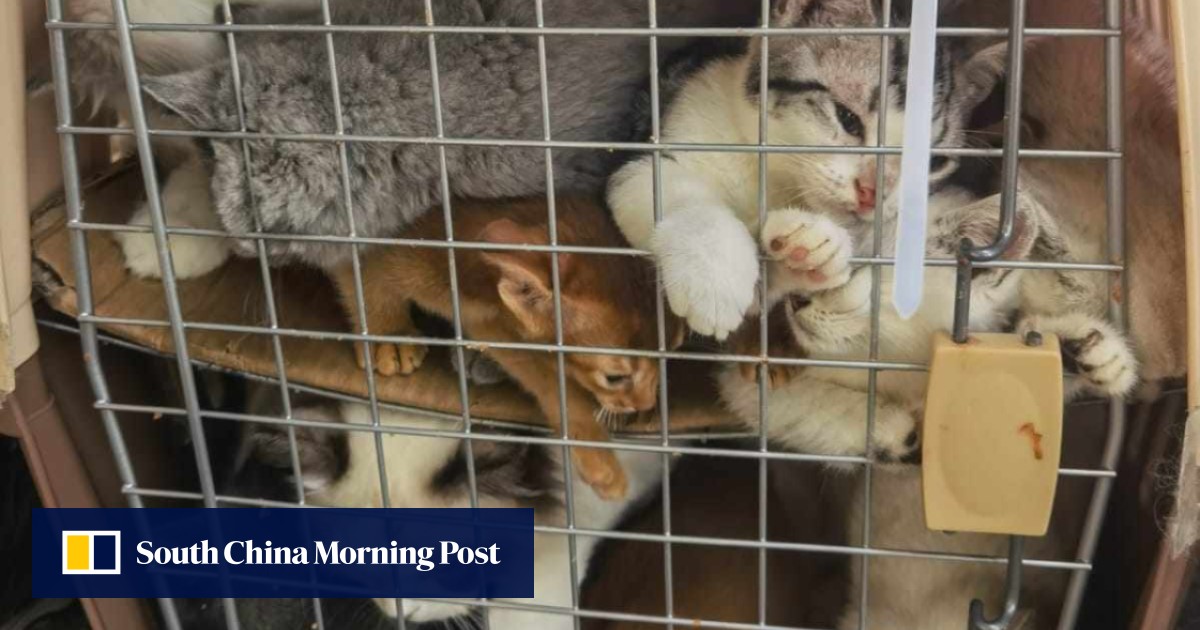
(866, 196)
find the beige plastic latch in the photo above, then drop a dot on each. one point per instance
(992, 434)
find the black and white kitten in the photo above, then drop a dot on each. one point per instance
(340, 468)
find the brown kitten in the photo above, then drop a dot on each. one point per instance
(507, 296)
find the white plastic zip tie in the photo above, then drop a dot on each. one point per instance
(914, 161)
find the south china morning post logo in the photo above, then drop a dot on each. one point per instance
(283, 552)
(251, 552)
(91, 552)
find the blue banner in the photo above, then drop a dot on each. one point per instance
(281, 552)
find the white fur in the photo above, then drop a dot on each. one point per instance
(1114, 366)
(824, 410)
(709, 200)
(187, 202)
(412, 461)
(811, 253)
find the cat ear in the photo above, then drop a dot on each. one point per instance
(525, 285)
(197, 96)
(980, 74)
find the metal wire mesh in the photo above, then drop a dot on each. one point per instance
(667, 443)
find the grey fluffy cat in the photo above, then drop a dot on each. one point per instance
(489, 90)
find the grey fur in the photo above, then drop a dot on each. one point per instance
(489, 88)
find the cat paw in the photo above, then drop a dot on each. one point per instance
(390, 359)
(897, 440)
(811, 252)
(601, 470)
(481, 369)
(186, 202)
(1096, 356)
(191, 256)
(777, 375)
(852, 297)
(709, 270)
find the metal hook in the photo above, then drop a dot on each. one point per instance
(968, 253)
(1012, 592)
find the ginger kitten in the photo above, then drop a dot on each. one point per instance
(508, 296)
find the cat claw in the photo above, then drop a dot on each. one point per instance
(1095, 355)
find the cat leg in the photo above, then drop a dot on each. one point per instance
(1097, 358)
(187, 202)
(836, 322)
(709, 260)
(813, 415)
(538, 375)
(389, 316)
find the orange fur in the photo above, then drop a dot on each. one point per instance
(507, 296)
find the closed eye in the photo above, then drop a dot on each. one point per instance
(617, 380)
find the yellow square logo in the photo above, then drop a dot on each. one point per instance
(91, 552)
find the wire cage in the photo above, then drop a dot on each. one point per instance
(668, 443)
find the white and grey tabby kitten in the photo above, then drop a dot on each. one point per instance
(824, 410)
(821, 90)
(824, 90)
(340, 468)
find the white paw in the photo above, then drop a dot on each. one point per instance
(1096, 357)
(810, 251)
(192, 256)
(896, 437)
(853, 297)
(709, 269)
(187, 202)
